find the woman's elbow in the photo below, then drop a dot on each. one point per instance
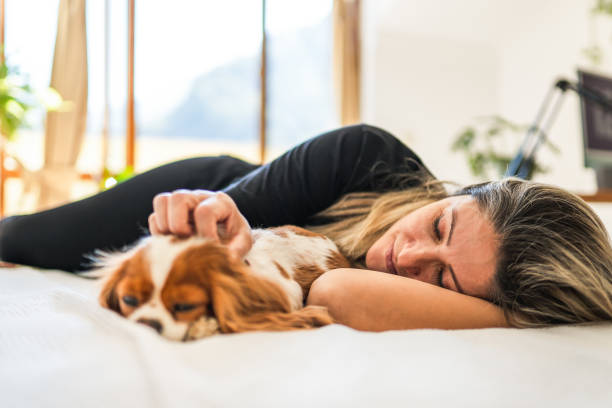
(327, 290)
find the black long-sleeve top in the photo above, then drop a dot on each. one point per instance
(288, 190)
(313, 175)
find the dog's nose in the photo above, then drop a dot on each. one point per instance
(155, 324)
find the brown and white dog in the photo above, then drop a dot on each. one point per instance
(193, 287)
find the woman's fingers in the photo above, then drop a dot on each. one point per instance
(205, 217)
(238, 232)
(180, 205)
(206, 213)
(218, 218)
(153, 229)
(172, 212)
(242, 241)
(158, 221)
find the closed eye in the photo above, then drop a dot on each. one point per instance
(436, 228)
(183, 307)
(131, 301)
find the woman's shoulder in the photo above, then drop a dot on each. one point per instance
(361, 133)
(386, 162)
(365, 145)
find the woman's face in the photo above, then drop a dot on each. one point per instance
(449, 243)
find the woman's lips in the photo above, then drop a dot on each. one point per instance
(389, 262)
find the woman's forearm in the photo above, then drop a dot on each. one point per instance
(375, 301)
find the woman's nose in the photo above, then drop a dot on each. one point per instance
(413, 260)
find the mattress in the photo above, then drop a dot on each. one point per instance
(58, 348)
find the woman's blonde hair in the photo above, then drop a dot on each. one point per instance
(554, 257)
(358, 220)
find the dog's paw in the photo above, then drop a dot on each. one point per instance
(203, 327)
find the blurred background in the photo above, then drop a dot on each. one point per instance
(147, 82)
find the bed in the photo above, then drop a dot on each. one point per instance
(58, 348)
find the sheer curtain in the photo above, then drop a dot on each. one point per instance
(347, 55)
(65, 130)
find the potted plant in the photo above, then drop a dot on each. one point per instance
(490, 144)
(594, 52)
(18, 99)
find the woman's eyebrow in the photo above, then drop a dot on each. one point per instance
(450, 234)
(452, 225)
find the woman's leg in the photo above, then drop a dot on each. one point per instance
(60, 238)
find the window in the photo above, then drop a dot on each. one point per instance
(197, 77)
(31, 51)
(197, 83)
(300, 88)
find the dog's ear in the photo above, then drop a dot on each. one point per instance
(245, 302)
(306, 318)
(242, 301)
(111, 267)
(108, 296)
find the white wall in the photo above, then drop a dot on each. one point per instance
(431, 68)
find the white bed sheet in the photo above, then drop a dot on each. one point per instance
(58, 348)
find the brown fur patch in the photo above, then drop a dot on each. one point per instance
(305, 275)
(336, 260)
(108, 297)
(282, 231)
(188, 283)
(130, 278)
(233, 292)
(241, 300)
(282, 270)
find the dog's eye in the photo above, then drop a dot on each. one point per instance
(183, 307)
(130, 301)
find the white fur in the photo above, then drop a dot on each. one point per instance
(289, 252)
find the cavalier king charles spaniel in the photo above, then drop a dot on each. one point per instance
(189, 288)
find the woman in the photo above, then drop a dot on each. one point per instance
(496, 254)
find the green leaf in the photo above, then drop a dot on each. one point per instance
(17, 98)
(492, 132)
(110, 180)
(553, 147)
(465, 140)
(477, 164)
(602, 7)
(594, 54)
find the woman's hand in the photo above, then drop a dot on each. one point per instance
(201, 212)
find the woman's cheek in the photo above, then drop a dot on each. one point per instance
(375, 256)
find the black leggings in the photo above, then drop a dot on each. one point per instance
(60, 237)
